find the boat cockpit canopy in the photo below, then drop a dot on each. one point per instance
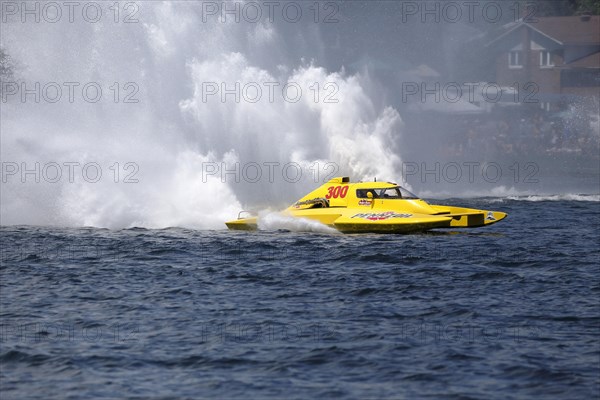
(397, 192)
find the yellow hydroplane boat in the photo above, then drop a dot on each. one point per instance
(383, 207)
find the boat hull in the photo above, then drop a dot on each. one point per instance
(359, 221)
(381, 207)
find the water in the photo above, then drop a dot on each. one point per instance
(509, 311)
(293, 311)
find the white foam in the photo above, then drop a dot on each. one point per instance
(276, 220)
(171, 132)
(503, 193)
(557, 197)
(498, 191)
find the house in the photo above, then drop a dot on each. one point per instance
(558, 56)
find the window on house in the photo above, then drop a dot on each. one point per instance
(514, 59)
(546, 59)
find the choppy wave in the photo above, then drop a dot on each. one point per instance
(502, 193)
(89, 313)
(555, 197)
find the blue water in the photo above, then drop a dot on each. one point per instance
(508, 311)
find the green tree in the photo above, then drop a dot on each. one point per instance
(591, 6)
(558, 8)
(6, 66)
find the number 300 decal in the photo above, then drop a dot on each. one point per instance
(336, 191)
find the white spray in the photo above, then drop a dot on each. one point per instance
(157, 155)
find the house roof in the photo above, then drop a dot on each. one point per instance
(591, 61)
(563, 30)
(570, 30)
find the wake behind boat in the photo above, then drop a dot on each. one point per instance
(381, 207)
